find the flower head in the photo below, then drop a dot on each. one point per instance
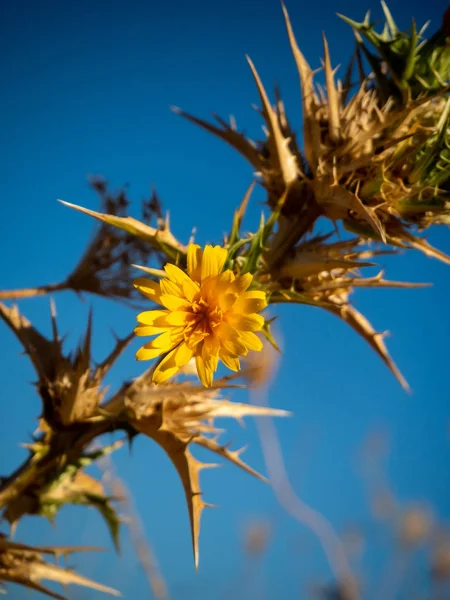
(208, 313)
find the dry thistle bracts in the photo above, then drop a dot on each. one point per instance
(105, 266)
(27, 566)
(70, 389)
(378, 166)
(350, 168)
(178, 416)
(175, 416)
(71, 393)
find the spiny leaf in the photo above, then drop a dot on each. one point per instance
(311, 128)
(362, 326)
(333, 98)
(237, 218)
(188, 469)
(237, 140)
(160, 239)
(284, 161)
(268, 334)
(231, 455)
(25, 565)
(312, 262)
(42, 352)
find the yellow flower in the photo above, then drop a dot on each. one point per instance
(208, 314)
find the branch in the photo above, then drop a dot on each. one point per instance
(40, 290)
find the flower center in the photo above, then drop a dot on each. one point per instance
(208, 315)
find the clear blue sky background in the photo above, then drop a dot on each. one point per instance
(86, 89)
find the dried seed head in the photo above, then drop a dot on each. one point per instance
(256, 537)
(70, 388)
(26, 566)
(415, 526)
(440, 561)
(178, 415)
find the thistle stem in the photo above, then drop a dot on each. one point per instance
(65, 446)
(40, 290)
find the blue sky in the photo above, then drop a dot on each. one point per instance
(86, 89)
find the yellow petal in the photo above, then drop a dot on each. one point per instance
(192, 339)
(175, 274)
(213, 261)
(164, 341)
(204, 373)
(170, 288)
(251, 340)
(173, 302)
(172, 363)
(152, 317)
(148, 288)
(241, 283)
(230, 361)
(250, 302)
(225, 279)
(210, 352)
(148, 353)
(190, 289)
(181, 318)
(194, 262)
(179, 277)
(251, 322)
(142, 330)
(226, 301)
(230, 340)
(211, 345)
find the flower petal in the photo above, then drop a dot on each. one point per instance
(230, 361)
(173, 302)
(151, 317)
(150, 351)
(213, 261)
(210, 352)
(180, 278)
(194, 262)
(241, 283)
(250, 302)
(252, 322)
(175, 274)
(194, 338)
(252, 341)
(145, 353)
(166, 341)
(169, 287)
(172, 363)
(211, 345)
(205, 374)
(150, 289)
(230, 340)
(180, 318)
(142, 330)
(226, 301)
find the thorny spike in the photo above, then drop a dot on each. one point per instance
(311, 128)
(234, 138)
(121, 344)
(53, 320)
(29, 568)
(362, 326)
(333, 98)
(158, 239)
(232, 456)
(285, 161)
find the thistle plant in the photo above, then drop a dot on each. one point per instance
(375, 162)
